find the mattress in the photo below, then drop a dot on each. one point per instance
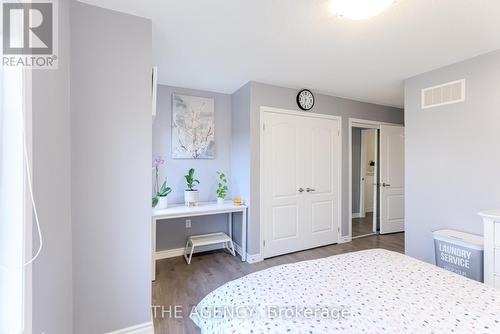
(372, 291)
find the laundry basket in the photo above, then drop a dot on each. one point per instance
(459, 252)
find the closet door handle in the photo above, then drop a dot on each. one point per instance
(309, 190)
(301, 190)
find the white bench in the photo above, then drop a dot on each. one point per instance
(207, 239)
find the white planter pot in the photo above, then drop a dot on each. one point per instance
(220, 201)
(191, 197)
(162, 203)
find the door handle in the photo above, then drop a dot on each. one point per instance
(310, 190)
(385, 184)
(301, 190)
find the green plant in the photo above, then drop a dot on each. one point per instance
(163, 192)
(190, 180)
(222, 185)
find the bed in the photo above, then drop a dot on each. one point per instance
(371, 291)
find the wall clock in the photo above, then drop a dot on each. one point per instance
(305, 99)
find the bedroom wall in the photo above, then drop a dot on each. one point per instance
(452, 154)
(110, 169)
(174, 234)
(281, 97)
(240, 150)
(237, 137)
(51, 272)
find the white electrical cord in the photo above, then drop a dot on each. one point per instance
(32, 198)
(30, 186)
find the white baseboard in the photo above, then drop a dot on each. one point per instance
(344, 240)
(254, 258)
(251, 258)
(145, 328)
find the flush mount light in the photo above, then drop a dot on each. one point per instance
(359, 9)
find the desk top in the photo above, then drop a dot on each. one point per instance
(204, 208)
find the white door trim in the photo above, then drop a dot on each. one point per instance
(365, 124)
(362, 176)
(264, 109)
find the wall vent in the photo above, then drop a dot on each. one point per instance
(440, 95)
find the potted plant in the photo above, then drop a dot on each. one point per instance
(221, 188)
(160, 200)
(160, 193)
(191, 195)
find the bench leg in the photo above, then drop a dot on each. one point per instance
(186, 251)
(232, 247)
(191, 253)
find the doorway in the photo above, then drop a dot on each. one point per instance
(376, 168)
(365, 148)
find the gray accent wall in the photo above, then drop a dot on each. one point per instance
(111, 131)
(452, 154)
(281, 97)
(240, 150)
(172, 233)
(52, 270)
(356, 169)
(238, 136)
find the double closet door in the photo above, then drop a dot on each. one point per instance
(301, 182)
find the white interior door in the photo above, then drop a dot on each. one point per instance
(301, 165)
(322, 181)
(392, 187)
(283, 177)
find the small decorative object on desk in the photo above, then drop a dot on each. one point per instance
(160, 200)
(191, 195)
(238, 201)
(221, 188)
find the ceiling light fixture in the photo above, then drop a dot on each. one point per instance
(359, 9)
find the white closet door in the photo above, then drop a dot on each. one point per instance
(300, 153)
(392, 179)
(284, 227)
(322, 180)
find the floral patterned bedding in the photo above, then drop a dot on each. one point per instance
(372, 291)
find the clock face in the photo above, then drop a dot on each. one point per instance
(305, 99)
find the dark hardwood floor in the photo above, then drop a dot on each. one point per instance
(362, 226)
(185, 285)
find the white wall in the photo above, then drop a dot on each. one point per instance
(52, 271)
(452, 154)
(110, 169)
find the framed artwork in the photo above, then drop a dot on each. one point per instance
(193, 127)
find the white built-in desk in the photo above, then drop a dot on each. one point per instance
(203, 209)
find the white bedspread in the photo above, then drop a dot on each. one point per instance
(383, 291)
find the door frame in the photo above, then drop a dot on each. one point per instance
(364, 124)
(362, 176)
(264, 109)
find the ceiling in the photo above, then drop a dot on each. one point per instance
(219, 45)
